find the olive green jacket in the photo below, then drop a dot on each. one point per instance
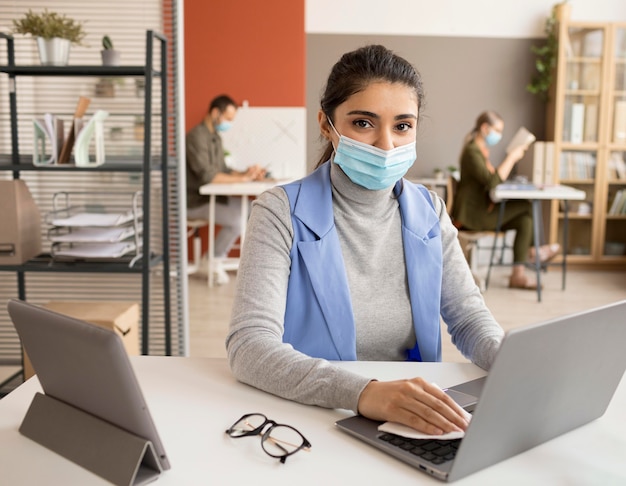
(205, 158)
(472, 201)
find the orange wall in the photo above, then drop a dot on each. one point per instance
(249, 49)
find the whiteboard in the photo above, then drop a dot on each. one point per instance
(273, 137)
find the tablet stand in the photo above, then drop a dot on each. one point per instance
(103, 448)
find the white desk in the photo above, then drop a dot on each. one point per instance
(507, 191)
(194, 400)
(242, 189)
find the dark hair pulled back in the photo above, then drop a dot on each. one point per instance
(358, 69)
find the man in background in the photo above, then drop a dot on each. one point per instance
(206, 164)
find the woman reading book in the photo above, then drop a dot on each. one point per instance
(473, 208)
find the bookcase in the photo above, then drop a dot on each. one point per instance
(587, 122)
(147, 173)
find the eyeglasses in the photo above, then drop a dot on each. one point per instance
(279, 440)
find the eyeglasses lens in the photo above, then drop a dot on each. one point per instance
(247, 424)
(282, 440)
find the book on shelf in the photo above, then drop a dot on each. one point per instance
(616, 166)
(577, 122)
(522, 138)
(543, 163)
(591, 73)
(548, 170)
(619, 122)
(591, 122)
(618, 205)
(593, 42)
(538, 163)
(577, 165)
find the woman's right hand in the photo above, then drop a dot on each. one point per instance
(518, 154)
(416, 403)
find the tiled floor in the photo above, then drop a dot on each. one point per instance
(210, 308)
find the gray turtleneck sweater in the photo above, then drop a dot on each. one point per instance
(369, 227)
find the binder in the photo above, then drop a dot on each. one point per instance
(619, 122)
(538, 163)
(48, 139)
(577, 122)
(548, 164)
(93, 130)
(591, 123)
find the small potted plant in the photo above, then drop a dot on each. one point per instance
(438, 173)
(454, 172)
(105, 87)
(54, 34)
(110, 56)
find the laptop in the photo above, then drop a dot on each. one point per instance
(533, 393)
(87, 367)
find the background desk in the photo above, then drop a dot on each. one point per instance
(246, 189)
(504, 192)
(194, 400)
(242, 189)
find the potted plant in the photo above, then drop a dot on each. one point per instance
(54, 34)
(140, 87)
(545, 62)
(438, 173)
(105, 87)
(110, 56)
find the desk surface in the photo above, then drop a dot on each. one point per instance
(194, 400)
(255, 188)
(523, 191)
(252, 188)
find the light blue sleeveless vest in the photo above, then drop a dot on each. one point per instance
(318, 319)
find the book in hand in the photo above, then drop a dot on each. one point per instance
(522, 138)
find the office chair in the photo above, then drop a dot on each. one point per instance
(470, 240)
(193, 231)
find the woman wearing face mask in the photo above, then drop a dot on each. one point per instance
(473, 208)
(355, 263)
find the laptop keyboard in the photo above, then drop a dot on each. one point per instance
(435, 451)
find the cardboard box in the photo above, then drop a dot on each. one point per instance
(20, 223)
(122, 317)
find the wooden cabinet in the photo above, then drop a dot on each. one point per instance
(587, 121)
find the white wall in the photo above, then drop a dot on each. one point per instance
(456, 18)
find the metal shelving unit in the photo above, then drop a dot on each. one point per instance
(143, 165)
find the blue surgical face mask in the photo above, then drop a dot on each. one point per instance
(493, 138)
(372, 167)
(223, 126)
